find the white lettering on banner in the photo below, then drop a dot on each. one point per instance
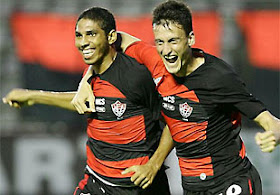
(4, 186)
(23, 151)
(48, 159)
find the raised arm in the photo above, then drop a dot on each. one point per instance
(269, 139)
(145, 174)
(23, 97)
(127, 40)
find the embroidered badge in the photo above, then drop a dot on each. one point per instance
(118, 108)
(185, 110)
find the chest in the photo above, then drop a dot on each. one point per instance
(110, 102)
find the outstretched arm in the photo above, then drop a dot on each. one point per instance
(84, 94)
(269, 139)
(144, 174)
(23, 97)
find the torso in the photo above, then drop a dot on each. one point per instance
(120, 132)
(203, 124)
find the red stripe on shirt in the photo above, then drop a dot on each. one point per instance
(250, 186)
(105, 89)
(113, 168)
(242, 151)
(236, 119)
(195, 167)
(83, 182)
(189, 95)
(186, 132)
(117, 132)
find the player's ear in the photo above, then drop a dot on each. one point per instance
(112, 37)
(191, 39)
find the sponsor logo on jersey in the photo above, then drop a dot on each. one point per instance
(185, 110)
(169, 99)
(100, 109)
(168, 106)
(99, 104)
(118, 108)
(100, 101)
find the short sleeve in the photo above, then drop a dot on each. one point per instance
(144, 53)
(228, 88)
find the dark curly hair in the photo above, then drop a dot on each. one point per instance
(102, 16)
(175, 12)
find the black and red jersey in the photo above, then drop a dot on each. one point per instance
(202, 111)
(124, 131)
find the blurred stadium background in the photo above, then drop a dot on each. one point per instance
(43, 148)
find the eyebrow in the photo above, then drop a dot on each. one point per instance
(91, 31)
(174, 39)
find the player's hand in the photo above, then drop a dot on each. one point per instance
(18, 98)
(143, 174)
(84, 94)
(268, 140)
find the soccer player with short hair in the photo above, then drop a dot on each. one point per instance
(124, 131)
(202, 102)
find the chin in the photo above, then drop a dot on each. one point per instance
(89, 62)
(172, 70)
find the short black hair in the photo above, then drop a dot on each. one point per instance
(175, 12)
(102, 16)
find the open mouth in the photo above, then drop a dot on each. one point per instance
(171, 59)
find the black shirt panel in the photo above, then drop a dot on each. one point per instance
(134, 81)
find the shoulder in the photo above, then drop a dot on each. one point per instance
(132, 70)
(216, 74)
(145, 54)
(219, 66)
(218, 70)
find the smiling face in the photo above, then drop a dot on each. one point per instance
(91, 41)
(173, 46)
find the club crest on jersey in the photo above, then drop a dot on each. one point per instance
(185, 110)
(118, 108)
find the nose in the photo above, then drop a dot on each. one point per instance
(84, 42)
(166, 49)
(81, 42)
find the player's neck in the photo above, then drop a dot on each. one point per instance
(190, 66)
(106, 62)
(195, 64)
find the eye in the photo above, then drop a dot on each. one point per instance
(159, 42)
(92, 34)
(173, 41)
(78, 35)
